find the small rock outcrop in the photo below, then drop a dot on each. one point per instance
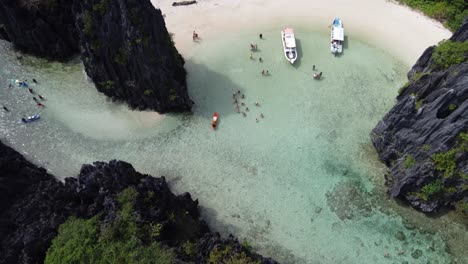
(423, 138)
(42, 27)
(129, 54)
(33, 204)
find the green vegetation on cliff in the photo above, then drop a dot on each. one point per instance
(227, 256)
(431, 189)
(449, 12)
(449, 53)
(446, 162)
(87, 241)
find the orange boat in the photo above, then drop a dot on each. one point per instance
(214, 121)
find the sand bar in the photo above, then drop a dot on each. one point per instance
(401, 31)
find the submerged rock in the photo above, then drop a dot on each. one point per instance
(417, 254)
(33, 204)
(400, 236)
(348, 201)
(130, 56)
(429, 117)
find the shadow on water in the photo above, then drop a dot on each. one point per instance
(346, 42)
(212, 91)
(299, 54)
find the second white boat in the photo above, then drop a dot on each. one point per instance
(289, 44)
(337, 36)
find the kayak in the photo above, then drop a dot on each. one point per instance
(30, 119)
(214, 121)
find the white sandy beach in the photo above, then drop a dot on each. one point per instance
(404, 33)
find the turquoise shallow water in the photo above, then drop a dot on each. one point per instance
(300, 185)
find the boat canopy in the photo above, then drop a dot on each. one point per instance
(338, 33)
(289, 38)
(337, 22)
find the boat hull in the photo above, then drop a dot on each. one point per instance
(30, 119)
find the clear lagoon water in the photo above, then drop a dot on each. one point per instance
(302, 185)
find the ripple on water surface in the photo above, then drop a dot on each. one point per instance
(295, 184)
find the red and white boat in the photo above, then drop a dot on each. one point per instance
(214, 121)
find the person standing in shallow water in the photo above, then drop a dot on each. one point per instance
(261, 35)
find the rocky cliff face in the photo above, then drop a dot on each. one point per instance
(41, 27)
(124, 44)
(129, 54)
(422, 139)
(33, 205)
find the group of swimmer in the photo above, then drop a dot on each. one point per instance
(31, 91)
(24, 83)
(316, 76)
(253, 47)
(237, 97)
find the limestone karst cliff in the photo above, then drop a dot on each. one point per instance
(124, 44)
(128, 52)
(33, 204)
(43, 28)
(423, 139)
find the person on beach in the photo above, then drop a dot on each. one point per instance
(313, 68)
(261, 35)
(34, 81)
(263, 72)
(195, 36)
(261, 115)
(256, 47)
(39, 104)
(267, 73)
(256, 120)
(31, 90)
(257, 104)
(24, 120)
(10, 86)
(244, 114)
(242, 96)
(40, 97)
(35, 99)
(260, 59)
(242, 104)
(247, 109)
(251, 56)
(238, 91)
(6, 109)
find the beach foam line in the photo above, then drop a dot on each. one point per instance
(403, 32)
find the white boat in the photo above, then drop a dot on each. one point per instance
(289, 44)
(337, 36)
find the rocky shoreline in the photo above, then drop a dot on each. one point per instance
(423, 139)
(124, 44)
(33, 204)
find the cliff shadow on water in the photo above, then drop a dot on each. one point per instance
(212, 91)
